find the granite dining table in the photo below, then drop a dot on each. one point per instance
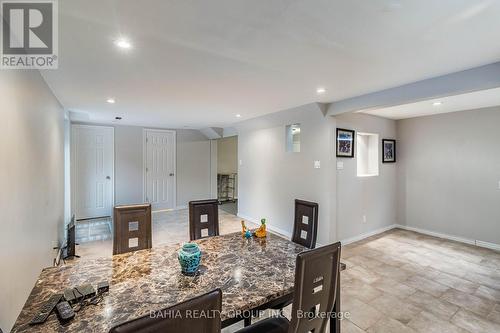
(252, 273)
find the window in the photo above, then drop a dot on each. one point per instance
(293, 138)
(367, 154)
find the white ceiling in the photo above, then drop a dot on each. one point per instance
(462, 102)
(198, 63)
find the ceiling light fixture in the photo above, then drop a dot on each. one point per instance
(437, 103)
(111, 101)
(320, 91)
(238, 115)
(123, 43)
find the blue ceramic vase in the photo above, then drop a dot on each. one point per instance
(189, 257)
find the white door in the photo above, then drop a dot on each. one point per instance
(160, 180)
(92, 160)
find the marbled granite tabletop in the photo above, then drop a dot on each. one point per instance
(249, 272)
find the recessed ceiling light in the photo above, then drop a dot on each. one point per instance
(437, 103)
(238, 115)
(123, 43)
(111, 101)
(320, 91)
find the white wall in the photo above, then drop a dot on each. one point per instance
(270, 178)
(32, 183)
(227, 155)
(374, 197)
(449, 169)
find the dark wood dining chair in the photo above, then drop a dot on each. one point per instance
(180, 318)
(305, 230)
(316, 278)
(305, 226)
(203, 215)
(132, 228)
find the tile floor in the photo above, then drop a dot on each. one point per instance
(402, 281)
(398, 281)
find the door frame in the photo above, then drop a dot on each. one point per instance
(74, 165)
(145, 132)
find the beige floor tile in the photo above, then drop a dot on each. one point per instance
(362, 274)
(456, 283)
(428, 323)
(360, 290)
(391, 306)
(433, 305)
(489, 293)
(393, 287)
(364, 315)
(348, 327)
(389, 325)
(474, 323)
(478, 305)
(482, 279)
(426, 285)
(495, 314)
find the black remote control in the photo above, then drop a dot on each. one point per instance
(46, 309)
(64, 312)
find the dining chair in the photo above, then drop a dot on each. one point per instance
(305, 226)
(315, 290)
(305, 229)
(180, 318)
(132, 228)
(203, 215)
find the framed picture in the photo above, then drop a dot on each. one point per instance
(388, 151)
(345, 143)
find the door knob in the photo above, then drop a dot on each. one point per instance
(108, 177)
(171, 175)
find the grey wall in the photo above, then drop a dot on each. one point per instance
(129, 177)
(449, 169)
(193, 166)
(374, 196)
(270, 178)
(32, 183)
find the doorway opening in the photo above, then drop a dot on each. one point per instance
(227, 174)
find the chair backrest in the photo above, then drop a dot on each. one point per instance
(200, 314)
(316, 277)
(132, 228)
(305, 227)
(203, 214)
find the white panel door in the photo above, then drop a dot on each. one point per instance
(92, 171)
(160, 169)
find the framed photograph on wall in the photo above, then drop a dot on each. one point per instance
(345, 143)
(388, 151)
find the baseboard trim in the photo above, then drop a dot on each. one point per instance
(268, 226)
(368, 234)
(487, 245)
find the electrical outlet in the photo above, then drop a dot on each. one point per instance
(241, 162)
(364, 218)
(55, 244)
(317, 164)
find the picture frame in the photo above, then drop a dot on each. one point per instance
(345, 142)
(388, 151)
